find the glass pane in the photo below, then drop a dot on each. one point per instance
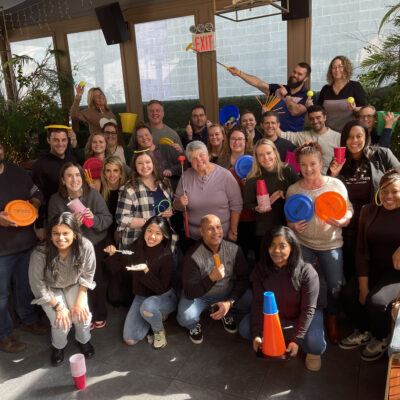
(97, 64)
(342, 27)
(258, 47)
(167, 70)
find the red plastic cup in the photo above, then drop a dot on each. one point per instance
(261, 187)
(80, 382)
(340, 154)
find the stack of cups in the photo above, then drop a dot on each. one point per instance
(76, 206)
(262, 196)
(78, 370)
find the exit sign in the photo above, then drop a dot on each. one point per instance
(204, 42)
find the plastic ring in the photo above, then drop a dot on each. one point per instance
(161, 204)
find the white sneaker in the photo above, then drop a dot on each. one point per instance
(160, 340)
(355, 340)
(375, 349)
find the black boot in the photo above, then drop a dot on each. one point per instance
(57, 356)
(87, 349)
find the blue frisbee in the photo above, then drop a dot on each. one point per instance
(299, 207)
(243, 166)
(229, 114)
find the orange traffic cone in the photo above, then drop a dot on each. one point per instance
(273, 342)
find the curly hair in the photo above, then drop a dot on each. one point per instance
(226, 149)
(90, 99)
(347, 70)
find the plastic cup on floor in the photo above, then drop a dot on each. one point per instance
(78, 370)
(340, 154)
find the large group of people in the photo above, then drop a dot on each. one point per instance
(173, 227)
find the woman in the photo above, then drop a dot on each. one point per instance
(209, 189)
(97, 113)
(278, 176)
(113, 177)
(151, 282)
(96, 146)
(165, 155)
(60, 273)
(368, 303)
(216, 140)
(146, 194)
(115, 143)
(369, 117)
(73, 186)
(333, 97)
(296, 287)
(321, 239)
(248, 122)
(361, 172)
(238, 144)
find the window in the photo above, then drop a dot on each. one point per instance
(97, 64)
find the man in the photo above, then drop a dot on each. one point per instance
(271, 127)
(46, 170)
(326, 137)
(155, 113)
(16, 243)
(207, 285)
(248, 122)
(293, 95)
(197, 128)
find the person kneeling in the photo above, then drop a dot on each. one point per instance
(206, 284)
(296, 287)
(60, 273)
(151, 266)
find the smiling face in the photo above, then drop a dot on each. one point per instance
(215, 136)
(144, 166)
(337, 69)
(367, 116)
(279, 251)
(211, 231)
(153, 235)
(248, 122)
(270, 126)
(98, 145)
(72, 180)
(199, 161)
(144, 138)
(237, 142)
(99, 99)
(155, 113)
(62, 237)
(198, 118)
(310, 167)
(298, 77)
(58, 142)
(112, 174)
(317, 121)
(390, 195)
(266, 157)
(111, 136)
(356, 141)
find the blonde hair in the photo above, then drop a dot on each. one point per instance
(347, 70)
(88, 147)
(105, 189)
(90, 99)
(256, 168)
(224, 139)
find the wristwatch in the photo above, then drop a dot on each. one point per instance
(232, 301)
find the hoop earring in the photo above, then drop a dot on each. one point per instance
(376, 198)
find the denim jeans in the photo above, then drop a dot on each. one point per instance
(314, 341)
(137, 323)
(14, 268)
(189, 311)
(67, 297)
(331, 263)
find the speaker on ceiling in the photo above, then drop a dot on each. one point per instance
(297, 9)
(111, 20)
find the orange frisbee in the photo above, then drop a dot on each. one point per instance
(21, 212)
(330, 204)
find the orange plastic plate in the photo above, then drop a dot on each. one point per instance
(21, 212)
(330, 204)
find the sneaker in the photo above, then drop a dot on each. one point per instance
(375, 349)
(160, 340)
(355, 340)
(196, 335)
(99, 324)
(10, 344)
(313, 362)
(92, 326)
(229, 324)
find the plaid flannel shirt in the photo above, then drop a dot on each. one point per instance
(136, 204)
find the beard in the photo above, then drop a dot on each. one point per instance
(293, 83)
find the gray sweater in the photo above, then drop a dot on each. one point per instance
(93, 200)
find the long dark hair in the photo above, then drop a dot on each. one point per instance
(62, 189)
(346, 133)
(295, 260)
(51, 251)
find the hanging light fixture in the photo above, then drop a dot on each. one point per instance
(241, 5)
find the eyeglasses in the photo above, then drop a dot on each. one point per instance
(367, 116)
(237, 139)
(336, 67)
(110, 133)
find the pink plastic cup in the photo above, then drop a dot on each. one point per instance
(78, 370)
(263, 196)
(340, 154)
(76, 206)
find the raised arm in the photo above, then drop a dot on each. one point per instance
(250, 79)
